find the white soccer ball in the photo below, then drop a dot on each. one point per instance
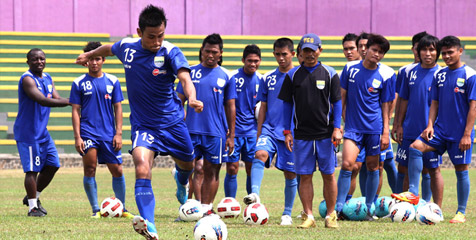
(256, 214)
(191, 210)
(228, 208)
(210, 228)
(111, 207)
(402, 212)
(429, 214)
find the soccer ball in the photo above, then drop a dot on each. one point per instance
(420, 203)
(429, 214)
(228, 208)
(355, 209)
(323, 209)
(191, 210)
(111, 207)
(383, 206)
(210, 228)
(256, 214)
(402, 212)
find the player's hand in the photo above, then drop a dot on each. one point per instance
(197, 105)
(79, 145)
(117, 142)
(393, 133)
(465, 143)
(384, 141)
(337, 137)
(399, 134)
(230, 145)
(427, 134)
(288, 141)
(82, 59)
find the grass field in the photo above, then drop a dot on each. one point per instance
(69, 210)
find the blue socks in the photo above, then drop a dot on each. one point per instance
(343, 185)
(348, 198)
(183, 175)
(145, 199)
(257, 172)
(371, 187)
(231, 185)
(399, 183)
(248, 184)
(363, 179)
(391, 170)
(462, 187)
(426, 187)
(415, 166)
(90, 188)
(289, 195)
(119, 187)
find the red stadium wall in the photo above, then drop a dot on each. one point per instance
(245, 17)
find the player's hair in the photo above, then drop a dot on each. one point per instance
(362, 35)
(427, 41)
(381, 41)
(349, 37)
(449, 41)
(28, 55)
(284, 42)
(152, 16)
(416, 38)
(213, 38)
(251, 49)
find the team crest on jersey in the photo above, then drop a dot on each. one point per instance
(109, 88)
(376, 83)
(460, 82)
(221, 82)
(159, 61)
(50, 88)
(320, 84)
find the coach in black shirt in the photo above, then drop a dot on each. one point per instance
(313, 89)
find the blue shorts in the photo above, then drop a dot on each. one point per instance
(35, 156)
(306, 153)
(387, 153)
(284, 160)
(174, 140)
(369, 142)
(456, 155)
(430, 159)
(210, 148)
(105, 150)
(361, 156)
(244, 146)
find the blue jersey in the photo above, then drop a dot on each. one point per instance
(246, 92)
(150, 81)
(32, 119)
(96, 97)
(416, 89)
(453, 89)
(268, 92)
(366, 91)
(401, 75)
(214, 87)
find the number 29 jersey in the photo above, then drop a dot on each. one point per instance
(150, 81)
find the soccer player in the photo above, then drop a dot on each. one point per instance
(311, 93)
(36, 94)
(361, 42)
(212, 131)
(157, 118)
(368, 89)
(451, 120)
(415, 105)
(246, 79)
(349, 46)
(402, 153)
(97, 123)
(270, 131)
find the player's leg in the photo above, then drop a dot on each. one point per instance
(248, 166)
(210, 184)
(248, 158)
(144, 195)
(265, 149)
(402, 158)
(197, 178)
(373, 179)
(290, 189)
(355, 172)
(306, 190)
(349, 156)
(415, 164)
(363, 177)
(380, 180)
(391, 171)
(232, 166)
(432, 162)
(89, 179)
(461, 161)
(326, 162)
(426, 184)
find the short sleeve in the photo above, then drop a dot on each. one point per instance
(178, 60)
(230, 89)
(344, 78)
(471, 87)
(400, 80)
(434, 88)
(116, 50)
(75, 94)
(263, 90)
(117, 93)
(388, 90)
(404, 91)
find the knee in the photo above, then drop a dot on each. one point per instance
(89, 171)
(116, 171)
(348, 166)
(261, 155)
(198, 168)
(289, 175)
(232, 168)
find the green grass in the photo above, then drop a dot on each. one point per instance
(69, 210)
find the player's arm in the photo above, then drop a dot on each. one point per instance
(261, 116)
(427, 134)
(104, 51)
(117, 140)
(336, 98)
(385, 119)
(343, 93)
(466, 142)
(287, 96)
(183, 99)
(183, 75)
(30, 88)
(76, 117)
(397, 131)
(230, 111)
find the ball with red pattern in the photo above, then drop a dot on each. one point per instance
(256, 214)
(228, 208)
(111, 207)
